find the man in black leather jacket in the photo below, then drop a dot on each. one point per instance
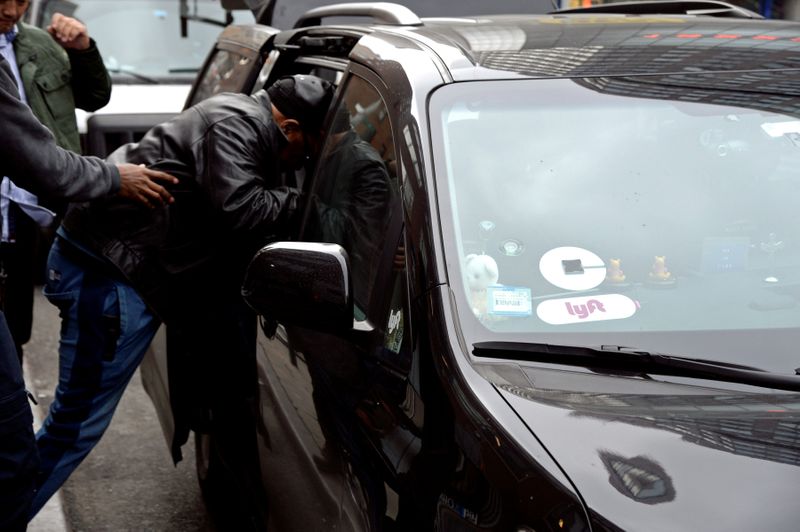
(116, 272)
(29, 155)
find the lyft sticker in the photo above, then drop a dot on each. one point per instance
(509, 301)
(583, 309)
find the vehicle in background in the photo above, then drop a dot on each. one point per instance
(153, 50)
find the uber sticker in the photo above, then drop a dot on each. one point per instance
(509, 301)
(582, 309)
(779, 129)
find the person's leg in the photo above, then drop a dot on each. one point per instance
(105, 331)
(226, 354)
(18, 458)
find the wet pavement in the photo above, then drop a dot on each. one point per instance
(128, 482)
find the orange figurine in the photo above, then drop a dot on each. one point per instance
(659, 271)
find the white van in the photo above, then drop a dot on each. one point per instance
(153, 50)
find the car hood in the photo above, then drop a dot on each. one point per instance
(649, 455)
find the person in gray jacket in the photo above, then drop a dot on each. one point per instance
(30, 156)
(57, 69)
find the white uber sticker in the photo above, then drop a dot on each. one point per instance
(583, 309)
(779, 129)
(572, 268)
(509, 300)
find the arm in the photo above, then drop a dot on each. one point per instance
(30, 157)
(237, 166)
(91, 83)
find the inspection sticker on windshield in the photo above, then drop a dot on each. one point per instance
(509, 301)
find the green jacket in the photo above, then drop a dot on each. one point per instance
(57, 81)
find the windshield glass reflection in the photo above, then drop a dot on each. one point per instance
(668, 222)
(143, 37)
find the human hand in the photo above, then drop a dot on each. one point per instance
(137, 183)
(69, 32)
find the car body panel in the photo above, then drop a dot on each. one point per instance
(290, 429)
(666, 462)
(605, 45)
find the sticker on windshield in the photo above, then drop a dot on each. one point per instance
(393, 339)
(584, 309)
(509, 301)
(779, 129)
(572, 268)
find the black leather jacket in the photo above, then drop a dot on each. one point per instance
(229, 201)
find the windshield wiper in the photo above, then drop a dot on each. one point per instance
(184, 70)
(134, 74)
(625, 359)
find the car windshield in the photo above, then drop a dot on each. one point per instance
(143, 37)
(583, 212)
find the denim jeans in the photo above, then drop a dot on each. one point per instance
(18, 459)
(105, 331)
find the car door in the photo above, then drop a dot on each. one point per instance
(232, 65)
(347, 410)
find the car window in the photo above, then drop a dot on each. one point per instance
(276, 66)
(355, 200)
(227, 71)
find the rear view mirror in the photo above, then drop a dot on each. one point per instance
(301, 283)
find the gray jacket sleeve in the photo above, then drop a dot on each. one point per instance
(30, 157)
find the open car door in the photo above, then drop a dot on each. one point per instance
(232, 65)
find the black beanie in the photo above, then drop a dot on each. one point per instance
(302, 97)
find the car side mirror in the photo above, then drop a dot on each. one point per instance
(301, 283)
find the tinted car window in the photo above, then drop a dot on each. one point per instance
(580, 208)
(226, 72)
(356, 187)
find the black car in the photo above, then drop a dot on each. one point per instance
(549, 280)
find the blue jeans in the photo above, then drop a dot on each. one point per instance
(105, 331)
(18, 459)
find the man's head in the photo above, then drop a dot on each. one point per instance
(10, 13)
(299, 106)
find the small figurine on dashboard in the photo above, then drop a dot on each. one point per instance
(660, 274)
(614, 273)
(481, 272)
(615, 276)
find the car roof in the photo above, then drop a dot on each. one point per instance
(581, 45)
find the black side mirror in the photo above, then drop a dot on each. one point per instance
(301, 283)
